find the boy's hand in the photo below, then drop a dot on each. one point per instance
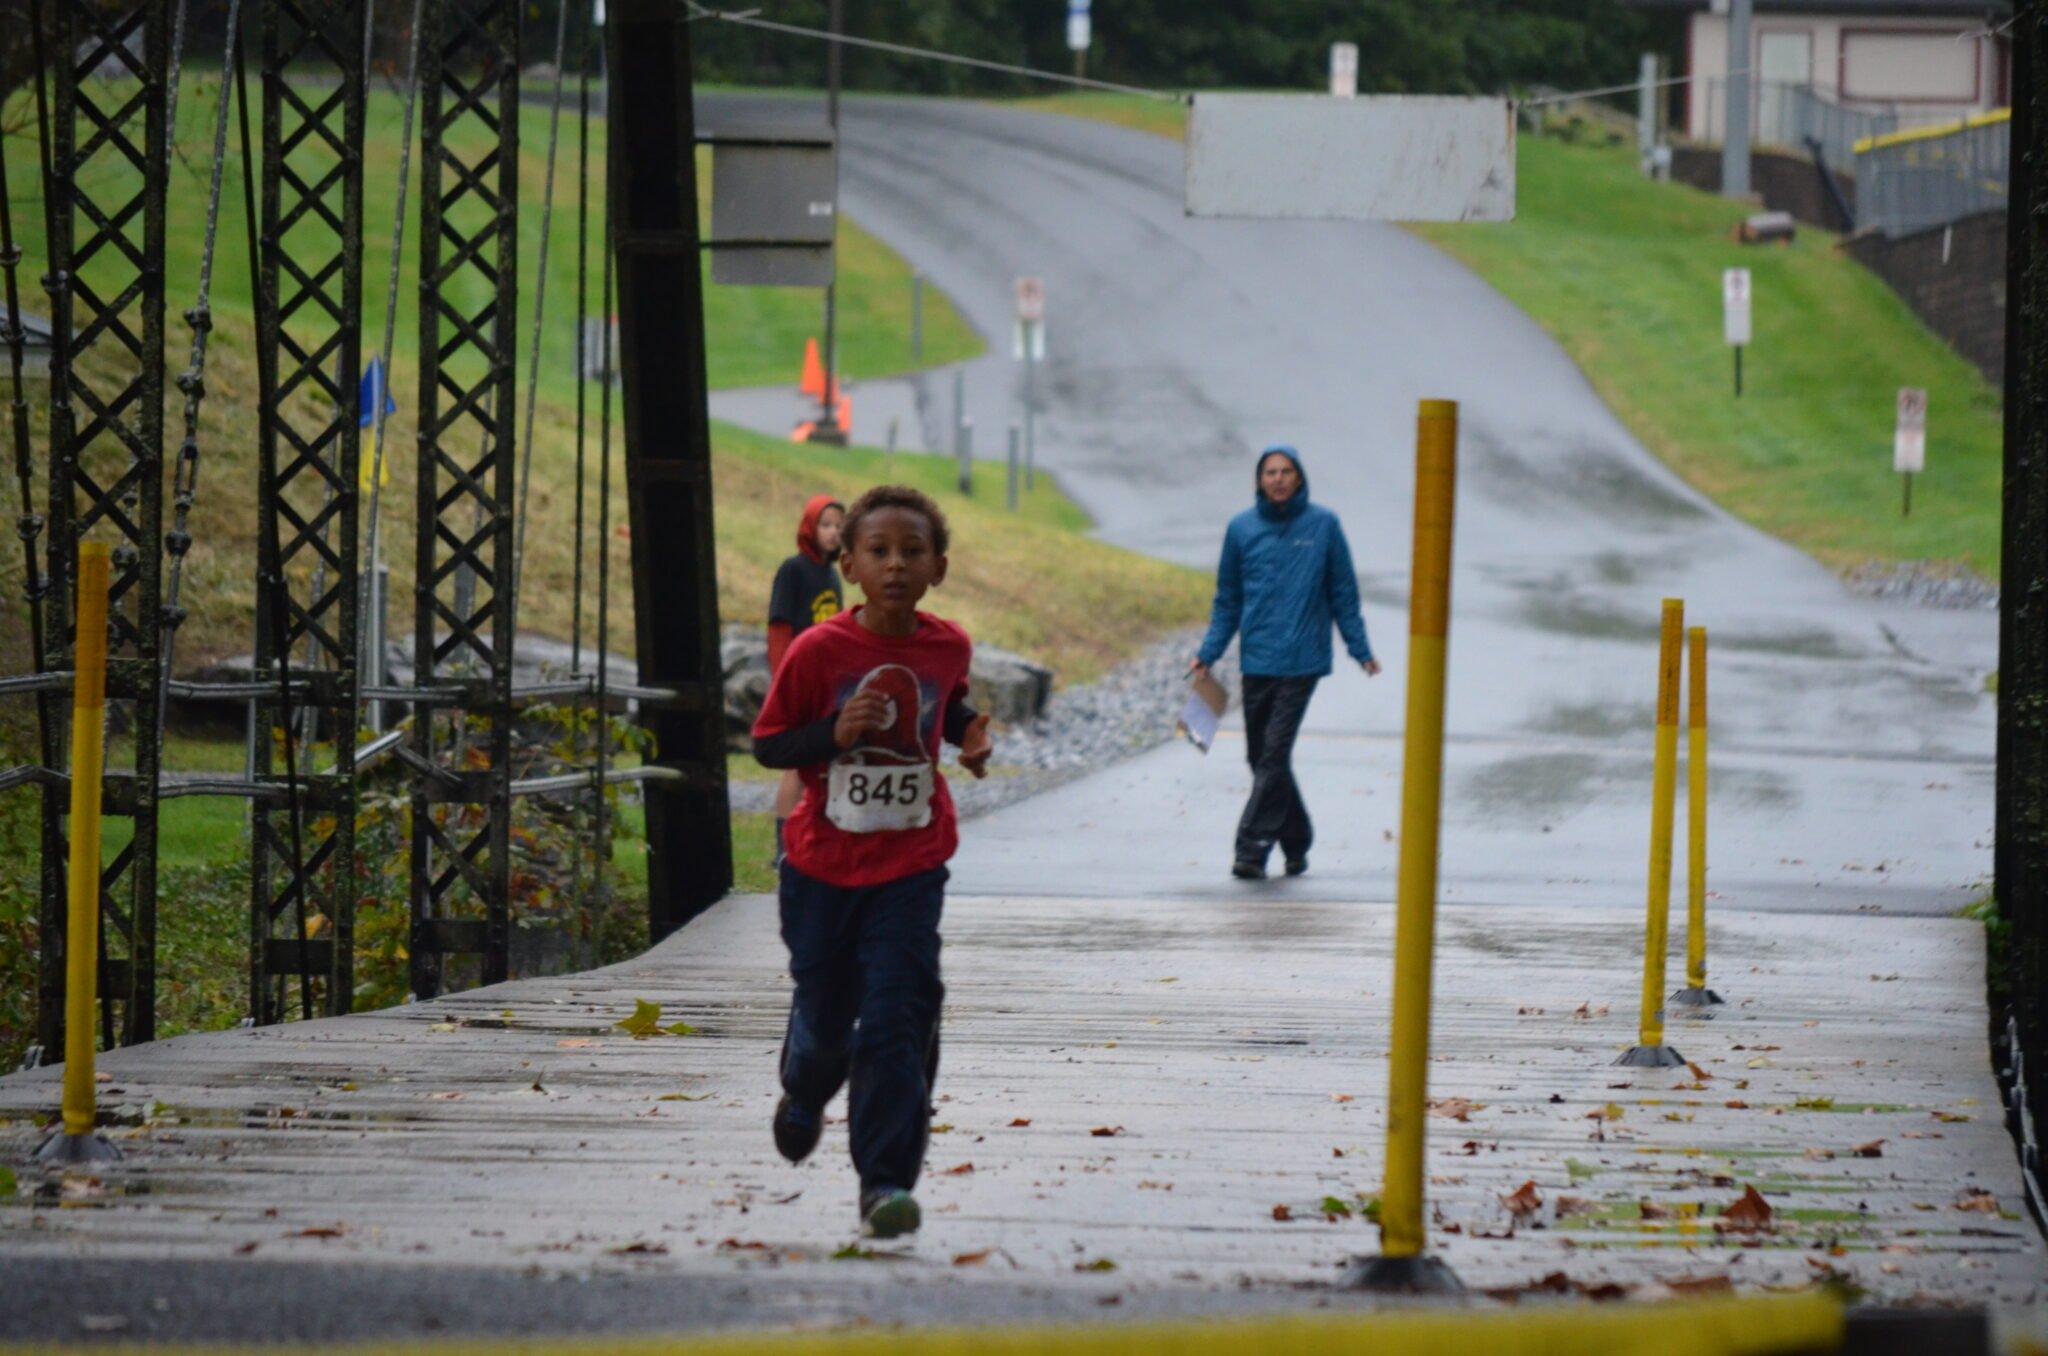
(867, 711)
(1371, 667)
(976, 746)
(1196, 666)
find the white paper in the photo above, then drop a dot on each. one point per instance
(1198, 722)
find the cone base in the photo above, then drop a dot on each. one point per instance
(1696, 998)
(64, 1149)
(1651, 1057)
(1401, 1276)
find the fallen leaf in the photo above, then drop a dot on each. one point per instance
(1814, 1104)
(1453, 1108)
(1699, 1285)
(246, 1248)
(578, 1044)
(1524, 1202)
(1334, 1208)
(1751, 1214)
(1282, 1213)
(1978, 1200)
(1019, 1123)
(645, 1021)
(1697, 1072)
(1760, 1062)
(444, 1096)
(319, 1231)
(1737, 1106)
(1106, 1131)
(1650, 1210)
(1948, 1117)
(729, 1245)
(1568, 1206)
(973, 1259)
(960, 1171)
(1342, 1097)
(1099, 1264)
(1874, 1149)
(945, 1129)
(1611, 1112)
(684, 1097)
(1820, 1155)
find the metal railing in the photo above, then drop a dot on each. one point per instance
(1915, 180)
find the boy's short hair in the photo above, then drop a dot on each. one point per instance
(894, 496)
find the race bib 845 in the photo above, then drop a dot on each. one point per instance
(879, 797)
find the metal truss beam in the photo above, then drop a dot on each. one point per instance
(302, 875)
(109, 170)
(463, 622)
(653, 224)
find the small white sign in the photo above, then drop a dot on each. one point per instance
(1077, 30)
(1909, 440)
(1030, 299)
(1344, 70)
(1735, 305)
(1028, 337)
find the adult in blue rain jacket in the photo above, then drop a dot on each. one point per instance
(1285, 578)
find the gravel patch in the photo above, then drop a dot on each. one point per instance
(1921, 583)
(1129, 711)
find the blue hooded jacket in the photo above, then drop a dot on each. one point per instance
(1285, 576)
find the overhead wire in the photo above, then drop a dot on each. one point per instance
(540, 298)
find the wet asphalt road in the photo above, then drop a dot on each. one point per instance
(1852, 740)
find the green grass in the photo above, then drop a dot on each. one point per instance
(1626, 275)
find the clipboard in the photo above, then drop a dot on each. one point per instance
(1203, 712)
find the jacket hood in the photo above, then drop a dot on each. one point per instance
(807, 527)
(1294, 507)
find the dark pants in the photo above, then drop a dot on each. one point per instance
(1273, 708)
(866, 1010)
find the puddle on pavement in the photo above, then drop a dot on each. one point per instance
(1573, 616)
(1602, 484)
(1597, 720)
(1538, 788)
(281, 1117)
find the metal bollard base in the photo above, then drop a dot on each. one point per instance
(63, 1150)
(1696, 998)
(1401, 1276)
(1651, 1057)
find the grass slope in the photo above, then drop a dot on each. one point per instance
(1626, 275)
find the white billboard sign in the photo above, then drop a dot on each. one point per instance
(1381, 158)
(1909, 439)
(1735, 305)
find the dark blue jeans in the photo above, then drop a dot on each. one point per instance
(866, 1011)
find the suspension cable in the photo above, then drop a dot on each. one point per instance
(540, 299)
(185, 479)
(378, 398)
(601, 829)
(28, 524)
(747, 19)
(270, 550)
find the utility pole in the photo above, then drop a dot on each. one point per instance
(827, 430)
(2021, 853)
(1735, 138)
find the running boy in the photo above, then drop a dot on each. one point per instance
(806, 592)
(859, 707)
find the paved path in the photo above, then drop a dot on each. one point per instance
(1237, 1052)
(1853, 740)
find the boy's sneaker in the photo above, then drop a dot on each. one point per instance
(1248, 870)
(887, 1212)
(797, 1128)
(1297, 865)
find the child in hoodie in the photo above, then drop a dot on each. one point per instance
(807, 591)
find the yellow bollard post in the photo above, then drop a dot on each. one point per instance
(1696, 994)
(76, 1142)
(1402, 1264)
(1653, 1053)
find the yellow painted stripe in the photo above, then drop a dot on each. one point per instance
(1946, 129)
(1774, 1325)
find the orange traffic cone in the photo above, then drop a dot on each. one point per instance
(813, 383)
(843, 416)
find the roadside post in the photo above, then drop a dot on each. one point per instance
(1028, 344)
(1696, 994)
(1652, 1052)
(1015, 437)
(1646, 111)
(889, 454)
(1909, 442)
(966, 452)
(959, 408)
(917, 316)
(1078, 35)
(1402, 1265)
(1735, 316)
(76, 1141)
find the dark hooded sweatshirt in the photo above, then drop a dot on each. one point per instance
(1285, 577)
(807, 588)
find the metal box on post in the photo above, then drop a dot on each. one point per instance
(773, 206)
